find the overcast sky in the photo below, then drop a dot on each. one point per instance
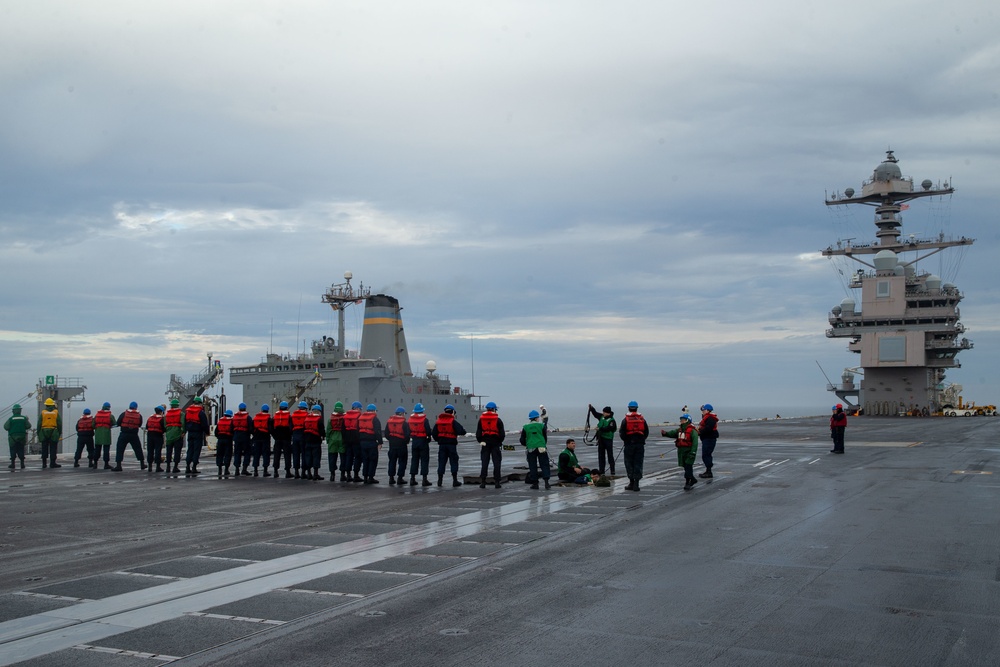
(620, 200)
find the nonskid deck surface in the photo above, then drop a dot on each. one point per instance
(789, 555)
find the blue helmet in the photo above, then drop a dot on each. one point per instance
(707, 406)
(401, 410)
(686, 416)
(265, 408)
(491, 406)
(419, 407)
(317, 407)
(242, 406)
(356, 405)
(106, 405)
(449, 408)
(833, 407)
(283, 405)
(228, 413)
(133, 405)
(632, 405)
(371, 407)
(533, 414)
(86, 411)
(303, 405)
(158, 408)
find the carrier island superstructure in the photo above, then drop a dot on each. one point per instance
(378, 373)
(907, 330)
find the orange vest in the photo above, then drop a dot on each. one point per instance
(260, 422)
(102, 419)
(634, 424)
(351, 420)
(173, 418)
(418, 425)
(337, 421)
(313, 420)
(131, 419)
(225, 427)
(395, 426)
(446, 425)
(85, 424)
(155, 424)
(488, 420)
(240, 421)
(299, 419)
(282, 419)
(366, 423)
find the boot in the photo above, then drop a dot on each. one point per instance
(343, 477)
(297, 475)
(316, 476)
(306, 474)
(547, 485)
(117, 468)
(689, 483)
(45, 464)
(413, 478)
(255, 473)
(399, 480)
(225, 473)
(392, 480)
(482, 482)
(534, 486)
(635, 487)
(288, 473)
(54, 465)
(142, 465)
(237, 471)
(706, 475)
(373, 480)
(367, 480)
(11, 466)
(631, 483)
(440, 480)
(220, 472)
(176, 469)
(159, 468)
(426, 481)
(22, 464)
(194, 469)
(246, 471)
(76, 463)
(496, 483)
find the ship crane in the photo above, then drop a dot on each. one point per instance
(185, 392)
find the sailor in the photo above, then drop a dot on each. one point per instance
(282, 434)
(242, 429)
(85, 438)
(49, 433)
(397, 432)
(335, 443)
(708, 433)
(104, 421)
(634, 431)
(544, 414)
(352, 442)
(838, 424)
(370, 437)
(534, 437)
(261, 440)
(420, 448)
(606, 428)
(298, 434)
(569, 466)
(17, 427)
(490, 434)
(224, 444)
(173, 435)
(196, 427)
(686, 440)
(445, 433)
(156, 426)
(130, 422)
(312, 443)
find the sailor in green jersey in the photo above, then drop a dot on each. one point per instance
(534, 437)
(104, 421)
(686, 440)
(606, 428)
(17, 427)
(335, 447)
(570, 469)
(49, 433)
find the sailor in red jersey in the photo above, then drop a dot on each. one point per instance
(85, 438)
(445, 433)
(420, 448)
(312, 443)
(224, 443)
(242, 430)
(282, 422)
(397, 432)
(634, 431)
(370, 436)
(262, 439)
(156, 426)
(298, 435)
(490, 434)
(130, 422)
(197, 427)
(352, 441)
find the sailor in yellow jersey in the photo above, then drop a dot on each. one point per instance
(49, 433)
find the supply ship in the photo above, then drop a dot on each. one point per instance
(907, 329)
(379, 373)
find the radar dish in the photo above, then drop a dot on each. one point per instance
(849, 192)
(926, 184)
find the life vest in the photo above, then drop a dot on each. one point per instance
(351, 420)
(131, 419)
(418, 425)
(634, 424)
(154, 424)
(684, 436)
(366, 423)
(838, 419)
(446, 425)
(85, 424)
(102, 419)
(337, 422)
(192, 415)
(313, 420)
(299, 419)
(572, 462)
(50, 419)
(282, 419)
(708, 427)
(260, 422)
(488, 421)
(225, 427)
(173, 418)
(395, 426)
(240, 422)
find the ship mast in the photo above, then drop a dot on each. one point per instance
(339, 296)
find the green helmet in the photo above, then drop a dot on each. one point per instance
(174, 403)
(338, 407)
(16, 407)
(197, 399)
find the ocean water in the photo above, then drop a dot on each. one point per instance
(574, 418)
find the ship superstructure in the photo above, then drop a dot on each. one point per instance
(907, 329)
(378, 373)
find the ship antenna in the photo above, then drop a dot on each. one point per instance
(472, 352)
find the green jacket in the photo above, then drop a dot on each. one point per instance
(686, 454)
(335, 441)
(567, 462)
(606, 427)
(17, 427)
(534, 435)
(102, 436)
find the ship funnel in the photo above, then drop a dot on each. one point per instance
(382, 337)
